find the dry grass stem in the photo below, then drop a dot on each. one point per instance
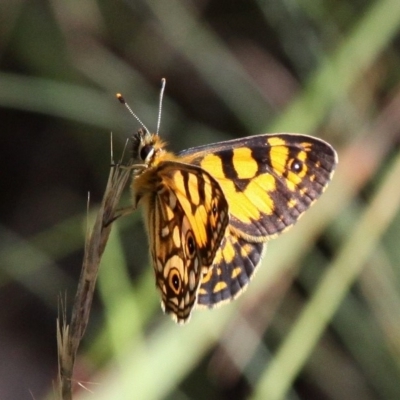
(70, 335)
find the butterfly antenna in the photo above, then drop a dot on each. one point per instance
(163, 82)
(122, 101)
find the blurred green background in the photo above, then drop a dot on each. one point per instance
(321, 319)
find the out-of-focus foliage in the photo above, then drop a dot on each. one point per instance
(321, 319)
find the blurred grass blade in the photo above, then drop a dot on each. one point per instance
(196, 41)
(343, 69)
(48, 96)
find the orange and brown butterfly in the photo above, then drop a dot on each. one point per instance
(210, 210)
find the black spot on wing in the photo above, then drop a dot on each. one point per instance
(230, 171)
(188, 193)
(201, 188)
(261, 155)
(227, 164)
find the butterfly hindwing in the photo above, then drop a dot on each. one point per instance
(234, 266)
(189, 222)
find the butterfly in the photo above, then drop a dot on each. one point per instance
(210, 210)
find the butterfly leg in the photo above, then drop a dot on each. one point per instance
(121, 212)
(136, 168)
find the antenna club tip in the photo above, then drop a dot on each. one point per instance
(120, 98)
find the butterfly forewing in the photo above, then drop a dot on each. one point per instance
(269, 180)
(190, 220)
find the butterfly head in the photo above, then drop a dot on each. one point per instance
(146, 147)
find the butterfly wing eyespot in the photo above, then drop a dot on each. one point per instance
(295, 165)
(190, 245)
(174, 281)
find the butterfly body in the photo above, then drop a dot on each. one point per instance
(210, 210)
